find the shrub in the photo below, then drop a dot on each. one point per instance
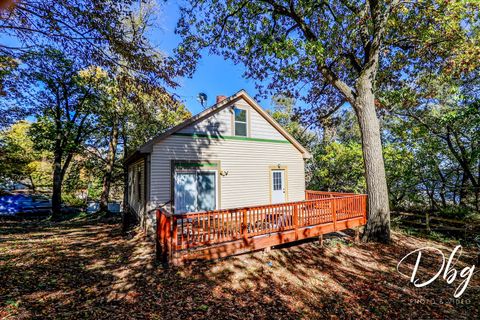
(72, 201)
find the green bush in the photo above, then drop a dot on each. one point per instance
(456, 212)
(72, 201)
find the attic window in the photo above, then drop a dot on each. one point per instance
(240, 122)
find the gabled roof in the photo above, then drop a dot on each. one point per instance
(148, 147)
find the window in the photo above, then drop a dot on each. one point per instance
(240, 122)
(277, 180)
(139, 185)
(195, 191)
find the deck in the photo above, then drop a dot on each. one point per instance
(220, 233)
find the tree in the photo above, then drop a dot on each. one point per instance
(8, 116)
(16, 153)
(131, 113)
(284, 113)
(19, 161)
(130, 101)
(330, 50)
(85, 30)
(94, 29)
(337, 162)
(439, 117)
(64, 102)
(94, 78)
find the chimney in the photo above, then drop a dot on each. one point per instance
(221, 98)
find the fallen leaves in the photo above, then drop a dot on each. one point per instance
(88, 270)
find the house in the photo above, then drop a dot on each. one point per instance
(233, 154)
(230, 180)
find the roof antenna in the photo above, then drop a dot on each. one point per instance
(202, 98)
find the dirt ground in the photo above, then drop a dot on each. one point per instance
(86, 269)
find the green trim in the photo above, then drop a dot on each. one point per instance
(194, 165)
(202, 135)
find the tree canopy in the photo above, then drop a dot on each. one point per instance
(336, 52)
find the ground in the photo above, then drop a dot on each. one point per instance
(87, 269)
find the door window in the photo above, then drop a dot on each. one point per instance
(277, 180)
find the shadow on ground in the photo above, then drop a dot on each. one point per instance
(86, 269)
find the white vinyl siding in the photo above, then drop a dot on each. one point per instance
(248, 165)
(217, 124)
(222, 123)
(259, 127)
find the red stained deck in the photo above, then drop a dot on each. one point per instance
(221, 233)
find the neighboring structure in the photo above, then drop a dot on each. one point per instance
(233, 154)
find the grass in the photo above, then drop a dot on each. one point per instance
(85, 269)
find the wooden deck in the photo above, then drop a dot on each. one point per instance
(221, 233)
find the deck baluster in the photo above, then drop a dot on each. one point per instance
(295, 220)
(334, 213)
(244, 224)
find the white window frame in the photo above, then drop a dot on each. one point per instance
(247, 124)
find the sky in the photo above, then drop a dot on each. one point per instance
(214, 75)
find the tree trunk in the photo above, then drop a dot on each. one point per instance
(32, 184)
(126, 209)
(107, 178)
(378, 224)
(463, 189)
(477, 190)
(431, 197)
(57, 185)
(443, 187)
(462, 159)
(456, 187)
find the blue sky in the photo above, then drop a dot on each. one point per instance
(214, 75)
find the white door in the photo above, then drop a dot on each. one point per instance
(278, 186)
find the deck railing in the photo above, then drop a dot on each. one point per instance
(314, 195)
(176, 232)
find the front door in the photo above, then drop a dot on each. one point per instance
(278, 186)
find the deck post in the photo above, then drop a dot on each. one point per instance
(357, 235)
(295, 219)
(244, 225)
(167, 240)
(320, 239)
(164, 237)
(364, 208)
(334, 213)
(174, 234)
(158, 238)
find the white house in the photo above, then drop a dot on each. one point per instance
(233, 154)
